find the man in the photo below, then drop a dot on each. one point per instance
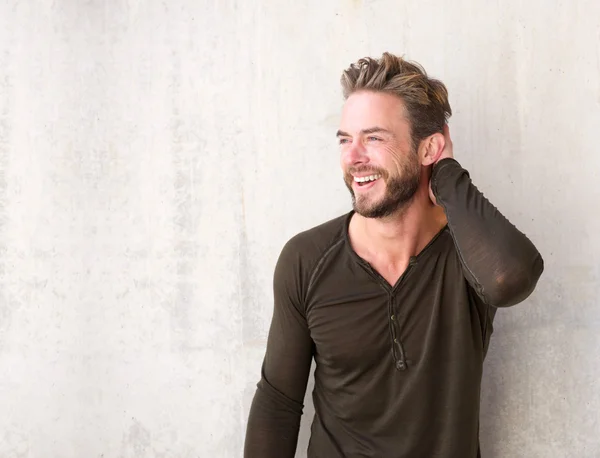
(395, 301)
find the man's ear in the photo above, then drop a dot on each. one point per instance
(431, 148)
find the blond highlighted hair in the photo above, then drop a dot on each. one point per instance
(425, 98)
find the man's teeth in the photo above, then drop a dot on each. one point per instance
(365, 179)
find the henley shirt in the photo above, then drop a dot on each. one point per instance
(398, 367)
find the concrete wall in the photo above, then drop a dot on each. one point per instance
(155, 156)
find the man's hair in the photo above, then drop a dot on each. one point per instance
(426, 99)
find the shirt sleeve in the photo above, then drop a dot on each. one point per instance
(274, 419)
(499, 262)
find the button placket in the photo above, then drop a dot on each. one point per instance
(397, 349)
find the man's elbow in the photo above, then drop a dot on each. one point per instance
(516, 286)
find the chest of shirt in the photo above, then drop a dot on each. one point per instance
(356, 319)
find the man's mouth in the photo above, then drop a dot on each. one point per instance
(363, 181)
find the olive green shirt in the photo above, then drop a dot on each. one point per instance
(398, 367)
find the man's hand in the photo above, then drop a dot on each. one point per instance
(448, 151)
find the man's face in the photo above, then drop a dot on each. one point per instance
(381, 168)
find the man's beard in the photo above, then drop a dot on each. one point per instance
(400, 190)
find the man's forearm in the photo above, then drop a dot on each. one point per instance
(499, 261)
(273, 425)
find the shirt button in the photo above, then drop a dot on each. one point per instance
(393, 317)
(395, 340)
(400, 365)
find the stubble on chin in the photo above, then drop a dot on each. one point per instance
(399, 193)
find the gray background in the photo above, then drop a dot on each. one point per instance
(155, 156)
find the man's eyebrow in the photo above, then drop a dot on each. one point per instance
(370, 130)
(376, 129)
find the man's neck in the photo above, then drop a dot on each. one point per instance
(394, 239)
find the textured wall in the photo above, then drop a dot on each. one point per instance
(155, 156)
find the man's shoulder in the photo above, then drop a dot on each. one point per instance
(303, 253)
(309, 245)
(322, 236)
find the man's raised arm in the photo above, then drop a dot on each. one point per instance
(500, 263)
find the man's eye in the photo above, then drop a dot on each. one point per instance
(344, 141)
(374, 139)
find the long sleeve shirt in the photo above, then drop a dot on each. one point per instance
(398, 367)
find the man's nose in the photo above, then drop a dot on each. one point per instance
(355, 153)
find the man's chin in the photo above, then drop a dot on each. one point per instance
(374, 212)
(394, 201)
(382, 209)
